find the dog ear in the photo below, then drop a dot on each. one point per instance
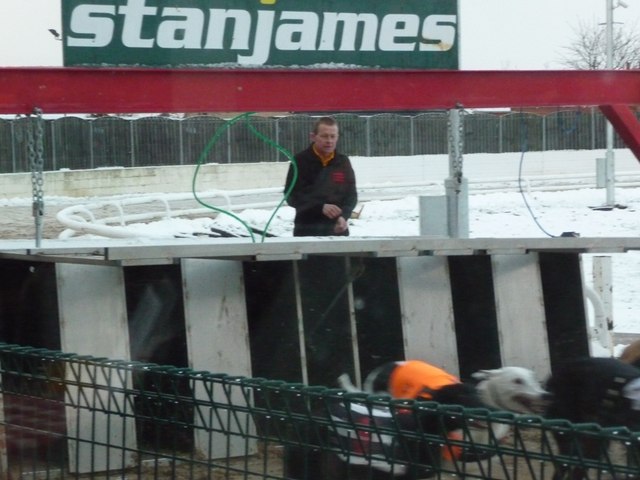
(483, 374)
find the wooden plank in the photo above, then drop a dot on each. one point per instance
(427, 311)
(520, 312)
(218, 342)
(93, 321)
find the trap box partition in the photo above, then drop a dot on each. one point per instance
(304, 310)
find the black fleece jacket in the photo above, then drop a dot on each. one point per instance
(317, 185)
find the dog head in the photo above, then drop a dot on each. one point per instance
(515, 389)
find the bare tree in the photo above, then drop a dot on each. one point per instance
(589, 50)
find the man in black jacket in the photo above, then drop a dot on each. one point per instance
(324, 193)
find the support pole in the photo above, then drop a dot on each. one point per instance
(603, 288)
(457, 187)
(610, 175)
(609, 165)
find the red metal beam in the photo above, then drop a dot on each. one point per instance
(129, 90)
(624, 121)
(138, 90)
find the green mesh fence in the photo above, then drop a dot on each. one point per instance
(70, 416)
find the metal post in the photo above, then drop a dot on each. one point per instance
(132, 135)
(412, 131)
(609, 31)
(300, 317)
(181, 141)
(610, 157)
(92, 161)
(448, 215)
(456, 187)
(603, 287)
(368, 130)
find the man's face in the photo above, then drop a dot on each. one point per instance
(326, 138)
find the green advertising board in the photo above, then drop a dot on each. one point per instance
(421, 34)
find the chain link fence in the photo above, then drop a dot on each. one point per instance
(103, 142)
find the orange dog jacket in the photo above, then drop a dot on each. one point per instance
(414, 379)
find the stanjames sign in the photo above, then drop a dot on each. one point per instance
(258, 33)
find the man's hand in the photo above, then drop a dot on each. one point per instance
(331, 211)
(341, 225)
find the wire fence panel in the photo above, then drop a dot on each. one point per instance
(355, 138)
(156, 142)
(111, 142)
(567, 130)
(79, 143)
(71, 144)
(390, 135)
(430, 133)
(246, 146)
(66, 415)
(7, 145)
(197, 136)
(522, 132)
(482, 133)
(293, 134)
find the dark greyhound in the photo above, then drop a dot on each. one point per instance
(605, 391)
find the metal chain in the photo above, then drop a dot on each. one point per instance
(460, 147)
(456, 144)
(35, 145)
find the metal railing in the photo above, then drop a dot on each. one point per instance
(103, 142)
(65, 416)
(113, 217)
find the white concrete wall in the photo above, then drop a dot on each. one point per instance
(484, 166)
(172, 179)
(369, 171)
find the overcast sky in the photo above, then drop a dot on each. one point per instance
(495, 34)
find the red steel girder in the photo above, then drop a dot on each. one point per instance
(625, 122)
(137, 90)
(142, 90)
